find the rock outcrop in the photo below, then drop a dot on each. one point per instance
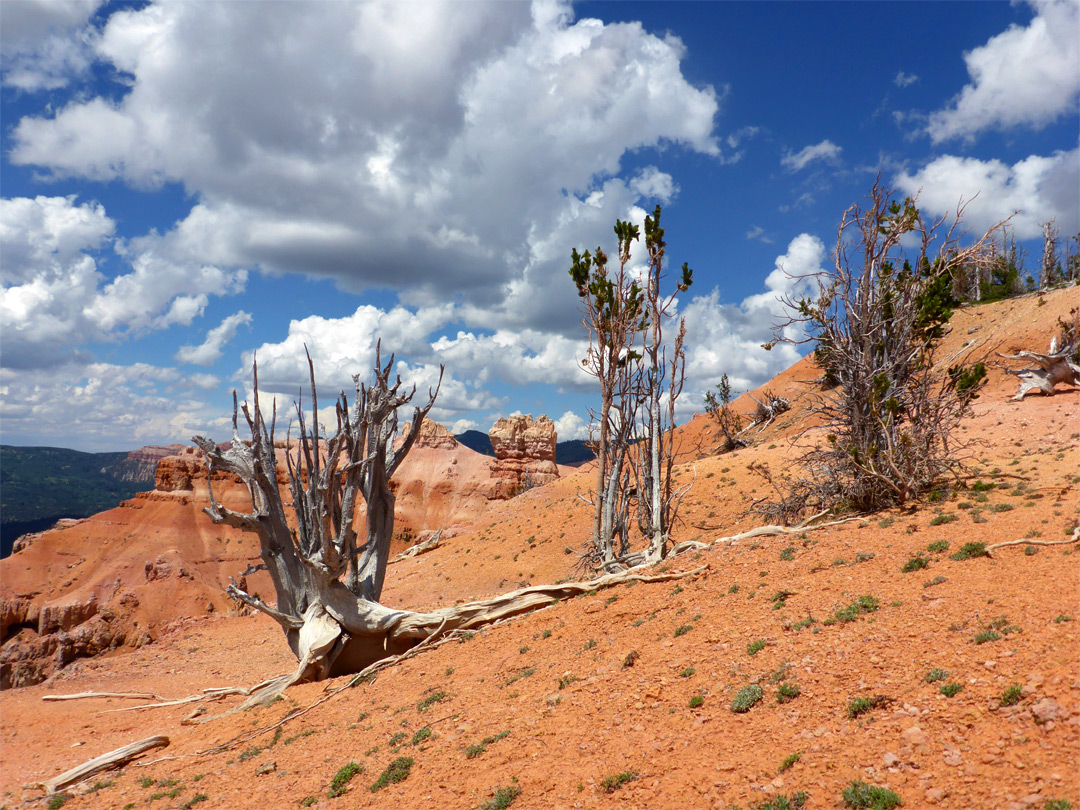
(140, 466)
(435, 436)
(524, 454)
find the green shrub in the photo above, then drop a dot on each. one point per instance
(936, 675)
(970, 551)
(930, 583)
(421, 735)
(683, 630)
(473, 751)
(688, 672)
(864, 604)
(609, 784)
(503, 798)
(747, 698)
(696, 701)
(431, 700)
(862, 705)
(916, 563)
(796, 801)
(938, 546)
(1057, 804)
(58, 801)
(198, 798)
(754, 647)
(343, 777)
(789, 760)
(1011, 696)
(788, 554)
(566, 680)
(861, 796)
(787, 692)
(945, 518)
(396, 771)
(951, 689)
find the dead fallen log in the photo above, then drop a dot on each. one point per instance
(113, 759)
(1059, 365)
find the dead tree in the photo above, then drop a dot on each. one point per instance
(877, 318)
(327, 585)
(1060, 365)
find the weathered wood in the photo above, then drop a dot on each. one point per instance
(113, 759)
(1059, 365)
(122, 695)
(1026, 541)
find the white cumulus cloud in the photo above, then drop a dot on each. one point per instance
(1024, 76)
(797, 161)
(1038, 187)
(209, 351)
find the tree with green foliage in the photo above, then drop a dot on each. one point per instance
(718, 406)
(624, 314)
(877, 318)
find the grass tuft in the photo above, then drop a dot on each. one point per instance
(861, 796)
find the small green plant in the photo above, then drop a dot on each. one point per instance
(733, 589)
(796, 801)
(787, 692)
(1062, 617)
(802, 623)
(308, 733)
(754, 647)
(936, 675)
(421, 735)
(951, 689)
(58, 801)
(396, 771)
(198, 798)
(696, 702)
(938, 546)
(1013, 695)
(788, 554)
(146, 781)
(503, 798)
(682, 630)
(916, 563)
(789, 760)
(249, 753)
(609, 784)
(864, 604)
(307, 801)
(995, 630)
(566, 680)
(862, 705)
(861, 796)
(863, 556)
(100, 786)
(930, 583)
(970, 551)
(473, 751)
(1057, 804)
(1031, 551)
(747, 698)
(947, 517)
(397, 739)
(687, 673)
(1002, 507)
(980, 486)
(435, 697)
(343, 777)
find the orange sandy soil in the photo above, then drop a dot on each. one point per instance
(556, 681)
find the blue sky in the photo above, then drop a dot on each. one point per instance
(185, 184)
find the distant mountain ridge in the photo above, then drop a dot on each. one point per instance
(40, 485)
(570, 453)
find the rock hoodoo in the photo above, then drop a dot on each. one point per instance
(524, 453)
(434, 435)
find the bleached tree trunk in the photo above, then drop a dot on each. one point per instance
(1060, 365)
